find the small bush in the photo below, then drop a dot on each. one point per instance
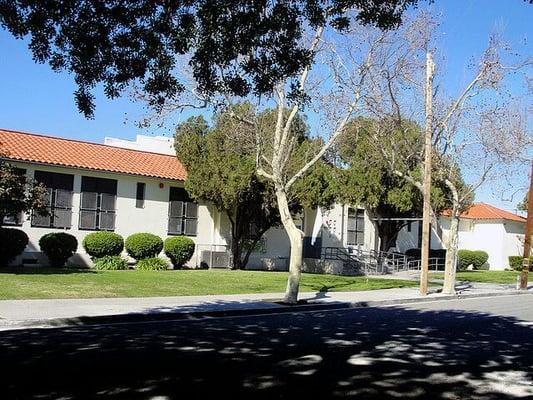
(110, 263)
(465, 259)
(151, 264)
(143, 245)
(12, 243)
(101, 244)
(58, 247)
(179, 249)
(515, 262)
(476, 258)
(480, 259)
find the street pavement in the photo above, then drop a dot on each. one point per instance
(475, 348)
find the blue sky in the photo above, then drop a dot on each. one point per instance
(35, 99)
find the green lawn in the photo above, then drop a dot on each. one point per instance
(484, 276)
(40, 283)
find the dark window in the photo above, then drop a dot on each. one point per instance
(182, 213)
(141, 188)
(97, 204)
(356, 227)
(59, 198)
(16, 219)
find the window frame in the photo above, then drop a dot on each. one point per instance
(139, 200)
(359, 231)
(182, 216)
(53, 190)
(98, 210)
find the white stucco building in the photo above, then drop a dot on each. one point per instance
(482, 227)
(121, 187)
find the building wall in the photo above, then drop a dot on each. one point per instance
(154, 144)
(153, 217)
(513, 244)
(213, 231)
(408, 238)
(499, 238)
(333, 233)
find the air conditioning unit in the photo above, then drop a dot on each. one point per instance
(215, 259)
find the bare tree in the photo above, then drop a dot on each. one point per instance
(279, 159)
(482, 131)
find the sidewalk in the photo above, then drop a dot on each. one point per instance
(16, 314)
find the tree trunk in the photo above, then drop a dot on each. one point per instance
(236, 253)
(296, 241)
(388, 233)
(236, 240)
(426, 231)
(451, 252)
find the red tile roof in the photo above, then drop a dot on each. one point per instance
(22, 146)
(486, 211)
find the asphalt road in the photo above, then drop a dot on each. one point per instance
(465, 349)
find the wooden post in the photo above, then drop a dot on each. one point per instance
(424, 270)
(527, 238)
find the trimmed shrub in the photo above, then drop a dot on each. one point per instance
(101, 244)
(143, 245)
(12, 243)
(58, 247)
(151, 264)
(476, 258)
(465, 259)
(110, 263)
(179, 249)
(480, 259)
(515, 262)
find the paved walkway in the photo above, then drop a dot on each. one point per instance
(20, 313)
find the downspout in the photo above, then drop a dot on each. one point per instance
(342, 227)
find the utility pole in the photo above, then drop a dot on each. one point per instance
(527, 240)
(424, 269)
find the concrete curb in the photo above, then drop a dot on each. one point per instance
(280, 308)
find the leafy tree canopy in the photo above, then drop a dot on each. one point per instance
(240, 46)
(366, 177)
(221, 169)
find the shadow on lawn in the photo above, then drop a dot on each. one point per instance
(377, 353)
(45, 270)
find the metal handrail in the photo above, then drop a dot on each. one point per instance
(379, 261)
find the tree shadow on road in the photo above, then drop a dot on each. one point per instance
(363, 353)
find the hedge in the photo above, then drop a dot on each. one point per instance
(12, 243)
(143, 245)
(515, 262)
(151, 264)
(179, 249)
(101, 244)
(58, 247)
(476, 258)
